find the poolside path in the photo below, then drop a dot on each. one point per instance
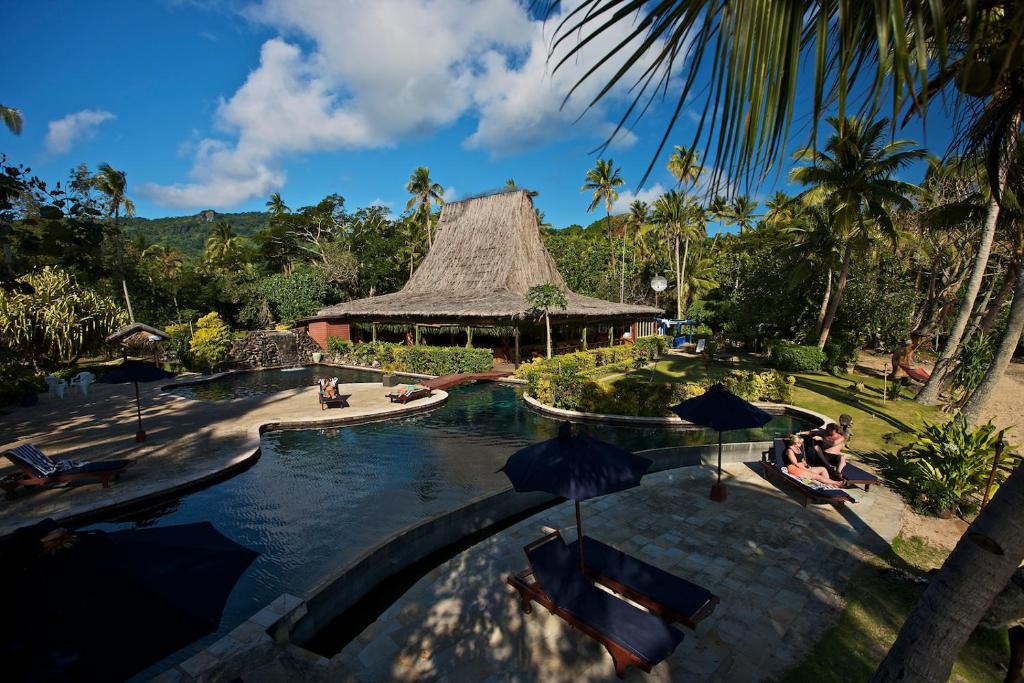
(188, 441)
(781, 571)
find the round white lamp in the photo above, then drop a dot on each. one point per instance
(658, 284)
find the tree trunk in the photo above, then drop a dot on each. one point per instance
(611, 239)
(975, 406)
(426, 222)
(824, 303)
(120, 260)
(679, 283)
(547, 325)
(622, 270)
(682, 277)
(929, 394)
(833, 305)
(960, 593)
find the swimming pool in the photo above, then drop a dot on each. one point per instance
(260, 382)
(318, 498)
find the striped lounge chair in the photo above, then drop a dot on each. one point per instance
(38, 469)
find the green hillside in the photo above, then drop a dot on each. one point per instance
(188, 234)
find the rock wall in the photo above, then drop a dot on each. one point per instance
(269, 348)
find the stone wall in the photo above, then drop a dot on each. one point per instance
(270, 348)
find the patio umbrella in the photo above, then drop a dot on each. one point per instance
(723, 411)
(113, 604)
(135, 371)
(576, 467)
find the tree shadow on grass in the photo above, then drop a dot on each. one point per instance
(848, 398)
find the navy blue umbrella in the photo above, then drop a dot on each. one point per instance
(723, 411)
(135, 371)
(576, 467)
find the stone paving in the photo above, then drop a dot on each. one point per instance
(780, 569)
(187, 440)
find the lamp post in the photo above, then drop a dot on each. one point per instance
(658, 284)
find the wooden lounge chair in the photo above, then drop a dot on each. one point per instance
(337, 401)
(38, 469)
(630, 634)
(404, 393)
(851, 473)
(774, 464)
(672, 598)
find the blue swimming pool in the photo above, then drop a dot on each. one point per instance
(261, 382)
(317, 498)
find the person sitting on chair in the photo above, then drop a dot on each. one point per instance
(330, 388)
(828, 444)
(796, 463)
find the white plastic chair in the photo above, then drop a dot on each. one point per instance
(700, 345)
(82, 381)
(55, 386)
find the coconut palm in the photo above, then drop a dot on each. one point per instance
(853, 175)
(684, 166)
(222, 244)
(740, 212)
(11, 118)
(424, 191)
(639, 215)
(780, 209)
(670, 215)
(113, 184)
(276, 206)
(602, 182)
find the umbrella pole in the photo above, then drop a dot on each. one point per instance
(718, 489)
(139, 435)
(579, 534)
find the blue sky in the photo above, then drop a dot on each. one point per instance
(217, 104)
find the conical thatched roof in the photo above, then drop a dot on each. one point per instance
(487, 253)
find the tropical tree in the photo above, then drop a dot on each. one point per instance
(740, 211)
(113, 184)
(780, 209)
(541, 299)
(853, 175)
(670, 211)
(222, 245)
(685, 166)
(167, 263)
(511, 183)
(424, 191)
(276, 206)
(603, 182)
(11, 118)
(639, 215)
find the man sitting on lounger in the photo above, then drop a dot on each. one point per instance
(796, 463)
(828, 444)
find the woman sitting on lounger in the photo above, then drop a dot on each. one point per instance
(329, 387)
(796, 463)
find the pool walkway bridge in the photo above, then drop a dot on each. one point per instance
(446, 382)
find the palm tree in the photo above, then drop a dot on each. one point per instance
(423, 191)
(780, 209)
(113, 184)
(670, 211)
(511, 183)
(639, 215)
(11, 118)
(541, 299)
(222, 244)
(853, 174)
(684, 165)
(740, 211)
(276, 205)
(602, 182)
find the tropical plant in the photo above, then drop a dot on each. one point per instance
(670, 214)
(684, 165)
(853, 176)
(423, 191)
(797, 358)
(947, 464)
(210, 342)
(603, 182)
(222, 246)
(113, 184)
(740, 211)
(541, 299)
(11, 118)
(276, 206)
(973, 361)
(54, 319)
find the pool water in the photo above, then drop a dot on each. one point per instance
(318, 498)
(260, 382)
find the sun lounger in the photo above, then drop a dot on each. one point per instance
(916, 374)
(38, 469)
(404, 393)
(336, 401)
(670, 597)
(700, 346)
(630, 634)
(774, 464)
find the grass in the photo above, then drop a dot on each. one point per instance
(877, 603)
(877, 425)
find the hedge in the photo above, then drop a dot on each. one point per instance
(797, 358)
(421, 359)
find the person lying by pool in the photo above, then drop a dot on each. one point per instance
(796, 463)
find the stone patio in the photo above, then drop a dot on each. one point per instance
(188, 441)
(780, 570)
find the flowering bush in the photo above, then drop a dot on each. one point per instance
(210, 342)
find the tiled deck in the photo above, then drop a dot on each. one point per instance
(187, 440)
(780, 570)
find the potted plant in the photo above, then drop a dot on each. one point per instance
(317, 356)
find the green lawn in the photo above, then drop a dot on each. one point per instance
(876, 424)
(877, 603)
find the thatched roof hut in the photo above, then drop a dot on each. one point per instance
(487, 253)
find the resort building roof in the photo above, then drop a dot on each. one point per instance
(487, 253)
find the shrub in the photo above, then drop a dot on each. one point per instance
(210, 342)
(797, 358)
(946, 465)
(769, 385)
(838, 356)
(441, 360)
(340, 346)
(651, 346)
(17, 380)
(971, 365)
(180, 342)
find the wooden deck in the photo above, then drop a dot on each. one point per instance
(448, 381)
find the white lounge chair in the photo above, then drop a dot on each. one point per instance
(82, 381)
(56, 386)
(700, 345)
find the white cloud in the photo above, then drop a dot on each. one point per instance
(648, 194)
(383, 204)
(380, 71)
(450, 195)
(65, 132)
